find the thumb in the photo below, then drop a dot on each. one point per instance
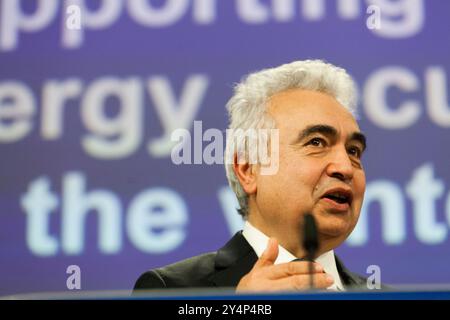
(269, 255)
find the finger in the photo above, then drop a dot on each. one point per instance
(269, 255)
(284, 270)
(302, 282)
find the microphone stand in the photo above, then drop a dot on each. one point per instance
(310, 244)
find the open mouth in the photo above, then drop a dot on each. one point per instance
(339, 196)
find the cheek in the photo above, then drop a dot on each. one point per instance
(299, 187)
(359, 186)
(295, 179)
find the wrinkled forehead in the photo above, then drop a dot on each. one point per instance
(298, 108)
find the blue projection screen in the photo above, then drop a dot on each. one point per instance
(90, 92)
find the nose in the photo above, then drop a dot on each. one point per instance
(340, 165)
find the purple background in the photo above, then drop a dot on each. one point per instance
(224, 51)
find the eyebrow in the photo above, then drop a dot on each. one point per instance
(327, 130)
(360, 137)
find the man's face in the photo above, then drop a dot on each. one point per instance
(320, 171)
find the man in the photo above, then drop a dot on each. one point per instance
(319, 171)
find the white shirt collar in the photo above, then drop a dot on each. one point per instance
(258, 241)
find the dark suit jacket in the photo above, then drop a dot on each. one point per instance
(223, 268)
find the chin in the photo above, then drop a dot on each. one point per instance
(330, 241)
(335, 229)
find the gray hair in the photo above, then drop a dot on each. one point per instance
(247, 107)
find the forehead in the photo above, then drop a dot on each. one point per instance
(297, 108)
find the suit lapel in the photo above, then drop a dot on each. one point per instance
(233, 261)
(349, 279)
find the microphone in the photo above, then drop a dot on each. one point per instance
(310, 243)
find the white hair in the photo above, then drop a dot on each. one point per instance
(247, 107)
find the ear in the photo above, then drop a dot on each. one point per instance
(246, 173)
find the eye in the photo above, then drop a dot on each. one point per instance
(355, 151)
(316, 142)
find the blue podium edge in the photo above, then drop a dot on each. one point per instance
(442, 293)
